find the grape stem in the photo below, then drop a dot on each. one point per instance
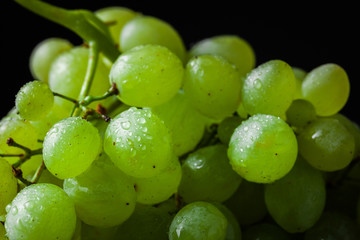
(28, 153)
(90, 72)
(83, 22)
(38, 172)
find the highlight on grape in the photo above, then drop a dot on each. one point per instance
(132, 135)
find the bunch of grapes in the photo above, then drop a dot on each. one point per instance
(131, 135)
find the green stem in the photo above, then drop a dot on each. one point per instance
(89, 99)
(90, 72)
(28, 153)
(83, 22)
(38, 172)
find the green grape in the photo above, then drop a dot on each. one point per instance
(300, 75)
(29, 167)
(116, 17)
(296, 201)
(265, 231)
(2, 232)
(242, 112)
(21, 132)
(103, 195)
(333, 225)
(154, 190)
(233, 231)
(89, 232)
(147, 222)
(269, 88)
(248, 203)
(8, 185)
(43, 55)
(70, 146)
(327, 87)
(213, 85)
(352, 127)
(263, 149)
(147, 75)
(67, 74)
(144, 30)
(43, 126)
(198, 221)
(227, 127)
(300, 113)
(185, 124)
(77, 232)
(47, 177)
(326, 144)
(41, 211)
(208, 176)
(34, 100)
(233, 48)
(138, 142)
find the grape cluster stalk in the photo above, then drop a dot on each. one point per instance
(132, 135)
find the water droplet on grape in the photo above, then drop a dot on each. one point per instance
(257, 83)
(125, 125)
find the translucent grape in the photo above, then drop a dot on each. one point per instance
(47, 177)
(248, 203)
(103, 195)
(43, 55)
(77, 232)
(300, 113)
(147, 75)
(154, 190)
(34, 100)
(185, 124)
(43, 125)
(233, 231)
(296, 201)
(89, 232)
(70, 147)
(227, 127)
(299, 78)
(198, 221)
(147, 221)
(151, 30)
(352, 127)
(333, 225)
(116, 17)
(20, 131)
(67, 74)
(265, 231)
(208, 176)
(326, 144)
(139, 143)
(269, 88)
(8, 185)
(327, 87)
(41, 211)
(263, 149)
(233, 48)
(213, 85)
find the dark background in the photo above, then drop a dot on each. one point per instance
(303, 35)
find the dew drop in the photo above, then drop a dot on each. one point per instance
(14, 210)
(125, 125)
(142, 120)
(8, 207)
(257, 83)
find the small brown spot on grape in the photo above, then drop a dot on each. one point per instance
(114, 143)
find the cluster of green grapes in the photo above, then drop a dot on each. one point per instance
(166, 142)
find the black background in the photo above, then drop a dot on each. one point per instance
(303, 35)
